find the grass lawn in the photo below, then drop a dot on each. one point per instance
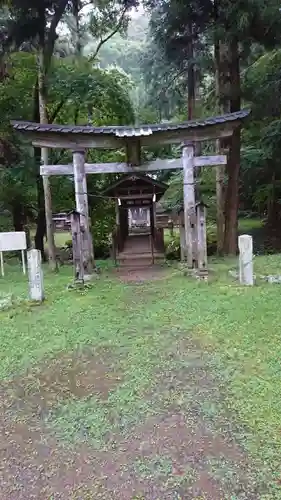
(244, 226)
(249, 224)
(61, 237)
(139, 330)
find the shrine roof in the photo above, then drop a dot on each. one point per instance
(134, 180)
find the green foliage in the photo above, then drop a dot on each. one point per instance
(164, 84)
(172, 247)
(245, 30)
(84, 94)
(27, 22)
(76, 92)
(68, 243)
(205, 191)
(261, 166)
(261, 86)
(106, 17)
(246, 21)
(124, 50)
(103, 220)
(6, 222)
(18, 185)
(173, 197)
(16, 95)
(153, 72)
(172, 243)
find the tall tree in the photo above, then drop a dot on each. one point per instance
(105, 92)
(33, 25)
(237, 25)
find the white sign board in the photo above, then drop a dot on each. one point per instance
(10, 242)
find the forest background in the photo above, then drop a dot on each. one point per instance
(116, 62)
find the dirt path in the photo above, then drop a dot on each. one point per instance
(173, 453)
(142, 273)
(179, 448)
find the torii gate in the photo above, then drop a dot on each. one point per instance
(80, 138)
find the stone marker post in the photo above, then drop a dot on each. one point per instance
(246, 274)
(35, 275)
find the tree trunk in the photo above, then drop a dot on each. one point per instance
(220, 197)
(47, 38)
(222, 95)
(233, 167)
(219, 168)
(191, 76)
(41, 219)
(44, 159)
(40, 222)
(17, 213)
(78, 52)
(40, 233)
(272, 237)
(232, 196)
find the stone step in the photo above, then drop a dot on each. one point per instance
(146, 253)
(143, 261)
(135, 256)
(137, 253)
(134, 266)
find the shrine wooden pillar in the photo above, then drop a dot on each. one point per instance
(189, 204)
(81, 198)
(154, 212)
(152, 220)
(117, 213)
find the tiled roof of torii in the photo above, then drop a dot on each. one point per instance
(129, 131)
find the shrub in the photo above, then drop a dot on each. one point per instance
(6, 223)
(102, 248)
(211, 239)
(172, 247)
(101, 231)
(68, 244)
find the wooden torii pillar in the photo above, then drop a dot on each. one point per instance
(189, 204)
(82, 207)
(191, 239)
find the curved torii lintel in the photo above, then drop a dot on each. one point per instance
(113, 137)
